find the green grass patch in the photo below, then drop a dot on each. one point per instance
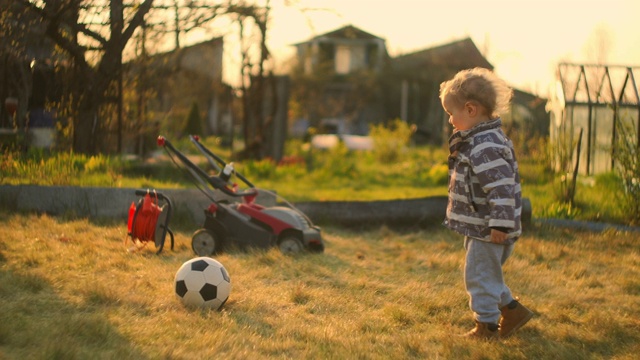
(321, 175)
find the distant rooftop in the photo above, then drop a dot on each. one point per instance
(461, 54)
(348, 32)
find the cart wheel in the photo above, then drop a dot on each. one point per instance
(290, 245)
(205, 242)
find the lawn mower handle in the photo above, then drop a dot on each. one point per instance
(216, 181)
(196, 141)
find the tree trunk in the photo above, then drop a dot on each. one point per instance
(83, 131)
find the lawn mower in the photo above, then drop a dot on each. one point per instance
(236, 220)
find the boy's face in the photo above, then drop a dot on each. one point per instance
(461, 117)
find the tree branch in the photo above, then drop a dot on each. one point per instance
(136, 21)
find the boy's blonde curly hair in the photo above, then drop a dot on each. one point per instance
(481, 86)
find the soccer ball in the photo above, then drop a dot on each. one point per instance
(203, 282)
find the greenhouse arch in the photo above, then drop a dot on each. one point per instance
(594, 98)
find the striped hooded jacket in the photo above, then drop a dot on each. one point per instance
(484, 184)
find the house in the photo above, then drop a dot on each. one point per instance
(350, 82)
(527, 119)
(336, 83)
(414, 85)
(343, 51)
(415, 89)
(347, 81)
(171, 83)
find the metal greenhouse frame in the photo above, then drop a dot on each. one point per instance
(594, 98)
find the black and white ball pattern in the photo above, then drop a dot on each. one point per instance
(203, 282)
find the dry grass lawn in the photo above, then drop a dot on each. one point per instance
(69, 290)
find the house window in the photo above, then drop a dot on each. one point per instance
(350, 58)
(358, 58)
(343, 59)
(308, 65)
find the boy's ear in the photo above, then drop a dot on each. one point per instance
(470, 108)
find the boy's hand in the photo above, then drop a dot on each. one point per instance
(498, 237)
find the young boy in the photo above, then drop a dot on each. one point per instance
(484, 197)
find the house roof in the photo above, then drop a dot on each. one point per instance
(461, 54)
(348, 32)
(204, 58)
(530, 100)
(216, 41)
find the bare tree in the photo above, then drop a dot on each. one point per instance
(93, 34)
(598, 46)
(251, 22)
(252, 73)
(180, 17)
(15, 76)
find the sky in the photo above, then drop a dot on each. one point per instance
(523, 39)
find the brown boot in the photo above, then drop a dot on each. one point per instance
(514, 316)
(483, 331)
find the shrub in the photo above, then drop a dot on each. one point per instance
(561, 210)
(7, 165)
(97, 164)
(609, 180)
(58, 169)
(390, 142)
(439, 175)
(37, 167)
(258, 169)
(566, 160)
(336, 162)
(627, 157)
